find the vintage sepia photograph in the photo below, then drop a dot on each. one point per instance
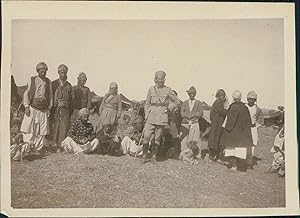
(147, 113)
(139, 137)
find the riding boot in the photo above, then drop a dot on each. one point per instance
(145, 151)
(154, 152)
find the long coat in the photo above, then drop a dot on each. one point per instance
(196, 112)
(217, 117)
(237, 131)
(61, 116)
(157, 101)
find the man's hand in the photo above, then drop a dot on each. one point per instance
(27, 111)
(48, 113)
(84, 141)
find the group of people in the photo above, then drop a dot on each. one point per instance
(59, 112)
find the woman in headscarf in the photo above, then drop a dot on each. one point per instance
(236, 136)
(111, 107)
(81, 137)
(217, 117)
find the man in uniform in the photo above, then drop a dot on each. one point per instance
(157, 108)
(37, 101)
(62, 95)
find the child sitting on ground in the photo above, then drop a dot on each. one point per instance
(124, 126)
(109, 143)
(190, 153)
(18, 148)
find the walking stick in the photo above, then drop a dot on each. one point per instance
(19, 107)
(141, 136)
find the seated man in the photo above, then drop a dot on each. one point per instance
(109, 143)
(18, 148)
(81, 137)
(278, 165)
(131, 143)
(124, 125)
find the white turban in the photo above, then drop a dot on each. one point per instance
(113, 85)
(252, 94)
(160, 73)
(237, 95)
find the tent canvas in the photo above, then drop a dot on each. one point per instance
(267, 113)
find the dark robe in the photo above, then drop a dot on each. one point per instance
(61, 116)
(237, 131)
(106, 143)
(217, 117)
(81, 97)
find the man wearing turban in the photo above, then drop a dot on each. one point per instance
(62, 95)
(256, 120)
(157, 108)
(37, 101)
(81, 96)
(236, 136)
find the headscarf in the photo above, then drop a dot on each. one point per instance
(252, 94)
(62, 68)
(192, 89)
(113, 85)
(83, 111)
(237, 95)
(41, 65)
(160, 73)
(220, 92)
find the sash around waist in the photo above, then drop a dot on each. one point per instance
(40, 104)
(111, 106)
(158, 105)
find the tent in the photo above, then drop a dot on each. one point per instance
(271, 116)
(96, 98)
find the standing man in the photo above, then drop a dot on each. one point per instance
(236, 136)
(62, 90)
(157, 108)
(217, 116)
(81, 96)
(191, 111)
(256, 120)
(37, 101)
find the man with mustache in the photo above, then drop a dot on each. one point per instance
(157, 108)
(37, 101)
(62, 95)
(81, 96)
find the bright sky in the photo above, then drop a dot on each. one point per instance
(209, 54)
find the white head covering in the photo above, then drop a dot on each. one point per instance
(160, 73)
(237, 95)
(113, 85)
(252, 94)
(83, 111)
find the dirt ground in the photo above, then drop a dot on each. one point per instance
(96, 181)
